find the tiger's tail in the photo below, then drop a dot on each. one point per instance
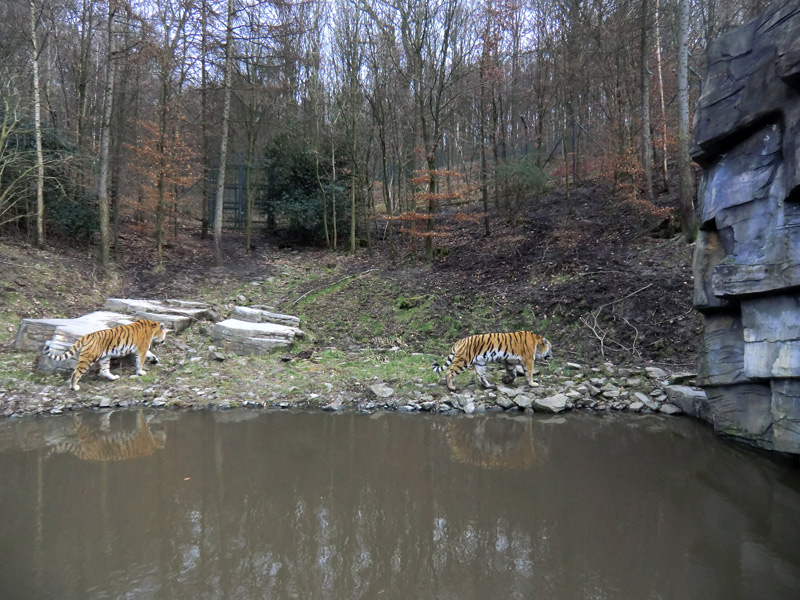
(73, 351)
(437, 368)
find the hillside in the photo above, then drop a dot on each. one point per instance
(601, 284)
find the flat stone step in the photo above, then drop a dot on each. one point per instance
(190, 309)
(260, 315)
(34, 333)
(247, 338)
(67, 331)
(176, 323)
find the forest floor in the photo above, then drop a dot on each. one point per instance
(603, 281)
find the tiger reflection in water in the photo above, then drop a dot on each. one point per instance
(100, 444)
(494, 443)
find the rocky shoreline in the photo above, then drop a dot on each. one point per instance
(572, 387)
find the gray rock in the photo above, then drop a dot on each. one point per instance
(669, 409)
(504, 402)
(655, 373)
(747, 257)
(523, 401)
(381, 390)
(261, 315)
(553, 404)
(510, 392)
(646, 400)
(248, 338)
(690, 400)
(636, 406)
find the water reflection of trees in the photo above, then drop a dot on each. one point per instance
(343, 506)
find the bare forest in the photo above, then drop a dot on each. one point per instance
(339, 122)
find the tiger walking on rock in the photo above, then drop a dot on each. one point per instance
(133, 338)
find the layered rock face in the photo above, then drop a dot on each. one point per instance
(747, 257)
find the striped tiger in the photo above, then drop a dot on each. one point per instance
(106, 343)
(511, 349)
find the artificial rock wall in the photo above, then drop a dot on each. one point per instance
(747, 257)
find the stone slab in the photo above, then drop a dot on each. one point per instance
(742, 411)
(258, 315)
(173, 322)
(771, 330)
(67, 333)
(246, 338)
(786, 415)
(194, 310)
(709, 251)
(721, 354)
(692, 401)
(34, 333)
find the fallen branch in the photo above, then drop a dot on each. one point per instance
(322, 287)
(600, 334)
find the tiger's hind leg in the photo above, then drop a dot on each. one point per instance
(83, 366)
(480, 369)
(105, 369)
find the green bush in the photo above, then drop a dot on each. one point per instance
(292, 199)
(76, 218)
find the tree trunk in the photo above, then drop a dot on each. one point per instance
(688, 217)
(484, 167)
(204, 119)
(647, 143)
(333, 186)
(37, 120)
(663, 161)
(223, 146)
(105, 141)
(162, 171)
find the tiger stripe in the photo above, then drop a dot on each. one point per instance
(518, 347)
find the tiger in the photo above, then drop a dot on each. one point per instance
(511, 349)
(104, 344)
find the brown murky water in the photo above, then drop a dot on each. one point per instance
(246, 504)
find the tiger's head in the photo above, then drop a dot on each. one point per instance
(159, 333)
(543, 349)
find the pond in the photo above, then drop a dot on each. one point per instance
(282, 504)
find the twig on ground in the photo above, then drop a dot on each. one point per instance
(322, 287)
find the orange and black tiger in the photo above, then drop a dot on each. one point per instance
(511, 349)
(133, 338)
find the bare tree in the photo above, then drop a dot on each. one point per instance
(105, 135)
(223, 145)
(37, 117)
(663, 114)
(688, 217)
(644, 70)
